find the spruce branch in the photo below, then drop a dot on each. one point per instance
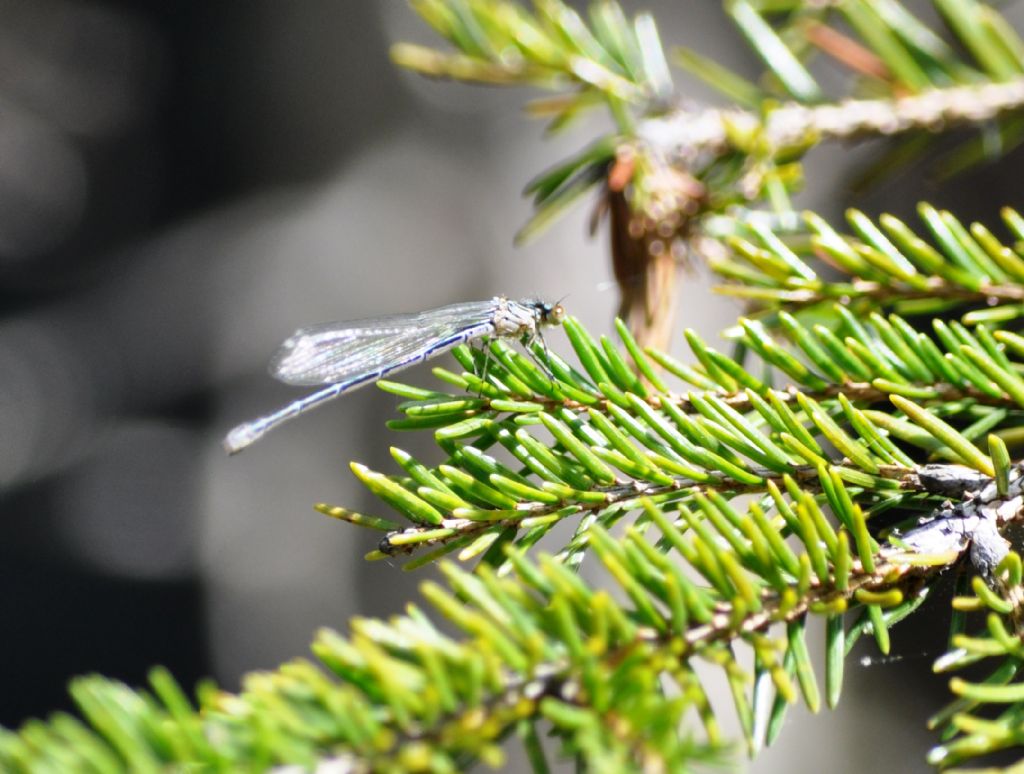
(542, 647)
(670, 164)
(691, 137)
(935, 516)
(985, 717)
(617, 438)
(715, 522)
(836, 436)
(886, 265)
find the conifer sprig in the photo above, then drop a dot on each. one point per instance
(885, 265)
(986, 716)
(533, 443)
(906, 78)
(671, 163)
(540, 648)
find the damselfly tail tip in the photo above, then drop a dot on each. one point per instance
(239, 438)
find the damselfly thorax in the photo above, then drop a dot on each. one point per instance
(348, 355)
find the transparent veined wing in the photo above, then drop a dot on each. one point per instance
(336, 352)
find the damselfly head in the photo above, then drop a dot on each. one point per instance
(549, 314)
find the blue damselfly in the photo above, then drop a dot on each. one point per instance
(348, 355)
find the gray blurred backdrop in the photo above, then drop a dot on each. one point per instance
(181, 185)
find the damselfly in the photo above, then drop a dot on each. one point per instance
(349, 355)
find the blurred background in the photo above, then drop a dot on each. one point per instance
(183, 184)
